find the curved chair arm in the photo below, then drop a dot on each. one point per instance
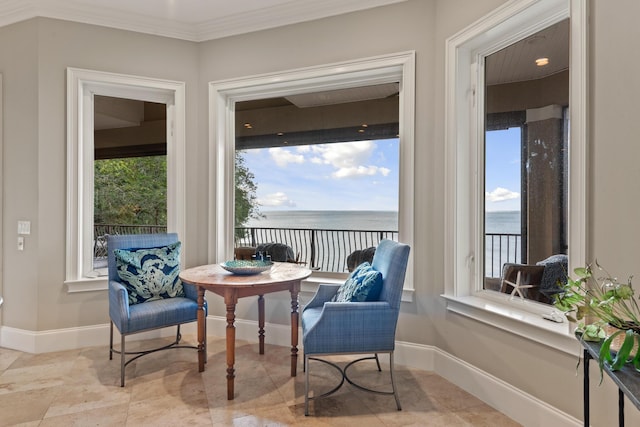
(190, 291)
(324, 293)
(118, 302)
(358, 327)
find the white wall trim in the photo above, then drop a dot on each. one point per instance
(511, 401)
(12, 11)
(82, 85)
(395, 67)
(465, 52)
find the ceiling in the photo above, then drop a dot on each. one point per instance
(516, 63)
(194, 20)
(200, 20)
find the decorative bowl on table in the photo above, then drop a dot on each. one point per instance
(246, 267)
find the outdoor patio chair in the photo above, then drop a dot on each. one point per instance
(364, 324)
(522, 279)
(145, 292)
(279, 252)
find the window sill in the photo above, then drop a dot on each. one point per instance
(87, 285)
(515, 320)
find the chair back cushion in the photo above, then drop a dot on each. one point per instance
(150, 273)
(391, 260)
(134, 241)
(363, 284)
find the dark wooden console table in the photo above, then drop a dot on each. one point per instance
(627, 380)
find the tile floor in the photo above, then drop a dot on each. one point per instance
(81, 388)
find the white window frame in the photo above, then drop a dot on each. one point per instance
(223, 95)
(464, 136)
(82, 86)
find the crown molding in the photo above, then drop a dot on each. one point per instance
(285, 14)
(12, 11)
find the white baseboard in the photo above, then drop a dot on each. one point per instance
(515, 403)
(74, 338)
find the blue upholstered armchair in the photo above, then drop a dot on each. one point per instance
(138, 266)
(368, 327)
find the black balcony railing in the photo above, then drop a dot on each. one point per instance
(100, 231)
(323, 249)
(501, 248)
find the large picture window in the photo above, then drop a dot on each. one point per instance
(226, 103)
(322, 172)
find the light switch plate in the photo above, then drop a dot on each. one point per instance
(24, 227)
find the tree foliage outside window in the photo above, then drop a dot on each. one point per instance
(246, 203)
(131, 191)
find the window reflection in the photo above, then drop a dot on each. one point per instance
(526, 147)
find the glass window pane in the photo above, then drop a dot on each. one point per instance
(130, 171)
(327, 183)
(526, 145)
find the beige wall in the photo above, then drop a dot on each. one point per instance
(33, 58)
(19, 67)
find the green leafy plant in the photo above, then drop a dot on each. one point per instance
(595, 302)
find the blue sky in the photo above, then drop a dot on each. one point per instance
(359, 175)
(502, 180)
(363, 175)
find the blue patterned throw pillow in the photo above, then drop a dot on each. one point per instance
(150, 273)
(363, 284)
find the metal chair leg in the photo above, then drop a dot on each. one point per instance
(345, 376)
(122, 352)
(111, 341)
(393, 382)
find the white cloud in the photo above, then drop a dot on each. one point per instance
(283, 157)
(500, 195)
(345, 154)
(276, 200)
(348, 159)
(356, 171)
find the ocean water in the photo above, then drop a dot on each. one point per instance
(329, 220)
(496, 222)
(502, 249)
(498, 249)
(502, 222)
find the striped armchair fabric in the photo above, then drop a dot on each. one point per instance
(330, 328)
(131, 319)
